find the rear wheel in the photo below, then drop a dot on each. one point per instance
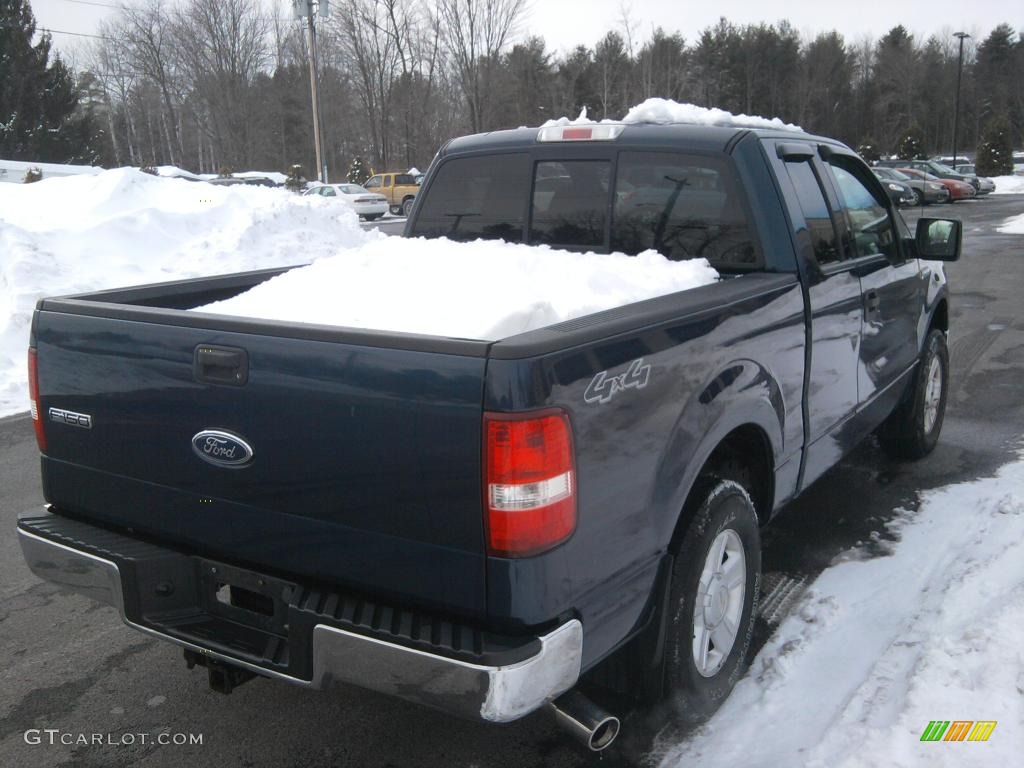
(407, 207)
(912, 430)
(713, 600)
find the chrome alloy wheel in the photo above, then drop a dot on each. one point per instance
(932, 395)
(719, 604)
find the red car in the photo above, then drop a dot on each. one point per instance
(958, 190)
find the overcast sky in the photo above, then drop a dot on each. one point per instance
(566, 23)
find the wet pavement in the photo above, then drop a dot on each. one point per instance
(69, 664)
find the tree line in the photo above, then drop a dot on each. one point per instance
(207, 85)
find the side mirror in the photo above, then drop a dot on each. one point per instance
(939, 239)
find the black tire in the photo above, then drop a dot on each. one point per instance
(723, 506)
(395, 210)
(372, 216)
(918, 197)
(407, 207)
(909, 433)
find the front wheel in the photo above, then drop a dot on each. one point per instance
(912, 430)
(918, 197)
(713, 600)
(407, 207)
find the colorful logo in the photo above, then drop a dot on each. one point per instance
(958, 730)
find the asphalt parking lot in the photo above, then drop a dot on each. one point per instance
(71, 665)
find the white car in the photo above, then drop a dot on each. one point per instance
(368, 205)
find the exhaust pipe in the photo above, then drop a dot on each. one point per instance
(585, 721)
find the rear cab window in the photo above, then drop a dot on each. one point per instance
(683, 206)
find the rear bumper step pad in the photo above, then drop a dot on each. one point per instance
(306, 636)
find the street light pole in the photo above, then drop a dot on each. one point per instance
(959, 77)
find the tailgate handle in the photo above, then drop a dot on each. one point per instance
(221, 365)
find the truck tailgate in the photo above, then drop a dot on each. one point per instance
(365, 468)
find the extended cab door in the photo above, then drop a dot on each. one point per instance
(890, 281)
(834, 299)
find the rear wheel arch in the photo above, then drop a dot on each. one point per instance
(744, 455)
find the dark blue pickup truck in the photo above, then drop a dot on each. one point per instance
(477, 525)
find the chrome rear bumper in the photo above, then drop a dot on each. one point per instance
(475, 691)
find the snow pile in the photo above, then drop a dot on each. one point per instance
(1008, 185)
(665, 111)
(485, 289)
(124, 227)
(880, 647)
(1013, 225)
(668, 111)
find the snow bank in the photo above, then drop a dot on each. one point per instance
(1008, 185)
(880, 647)
(1013, 225)
(124, 227)
(485, 289)
(667, 111)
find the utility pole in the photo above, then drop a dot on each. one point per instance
(959, 76)
(305, 8)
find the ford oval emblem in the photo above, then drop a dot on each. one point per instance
(221, 449)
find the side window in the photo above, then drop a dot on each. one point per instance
(473, 198)
(815, 210)
(328, 192)
(387, 181)
(404, 178)
(684, 207)
(869, 225)
(570, 203)
(372, 183)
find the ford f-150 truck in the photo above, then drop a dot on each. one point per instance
(478, 525)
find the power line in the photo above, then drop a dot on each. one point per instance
(91, 2)
(76, 34)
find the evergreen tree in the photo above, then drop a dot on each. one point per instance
(40, 118)
(995, 153)
(357, 172)
(295, 181)
(911, 147)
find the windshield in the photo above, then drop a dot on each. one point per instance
(899, 175)
(942, 168)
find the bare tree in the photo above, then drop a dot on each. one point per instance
(222, 46)
(476, 32)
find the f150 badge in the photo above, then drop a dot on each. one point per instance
(603, 387)
(83, 420)
(221, 449)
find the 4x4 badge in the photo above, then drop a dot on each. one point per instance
(603, 387)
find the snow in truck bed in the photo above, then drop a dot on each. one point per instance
(485, 289)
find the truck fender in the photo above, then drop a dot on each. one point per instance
(744, 393)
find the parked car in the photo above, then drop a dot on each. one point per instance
(958, 190)
(899, 192)
(252, 181)
(366, 204)
(924, 192)
(944, 172)
(1018, 163)
(478, 525)
(400, 189)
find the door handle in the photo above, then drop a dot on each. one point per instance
(871, 301)
(221, 365)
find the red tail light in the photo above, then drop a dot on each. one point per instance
(33, 394)
(529, 482)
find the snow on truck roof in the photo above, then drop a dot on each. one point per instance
(660, 118)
